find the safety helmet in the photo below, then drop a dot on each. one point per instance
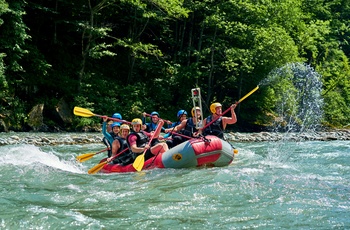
(213, 107)
(114, 124)
(136, 121)
(194, 108)
(154, 113)
(124, 126)
(117, 115)
(181, 112)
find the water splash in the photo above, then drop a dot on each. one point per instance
(296, 89)
(30, 155)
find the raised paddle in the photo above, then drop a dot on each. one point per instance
(99, 166)
(229, 108)
(78, 111)
(87, 156)
(140, 160)
(247, 95)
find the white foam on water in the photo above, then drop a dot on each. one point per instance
(26, 155)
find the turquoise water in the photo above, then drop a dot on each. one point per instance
(284, 185)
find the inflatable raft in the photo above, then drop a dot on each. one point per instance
(210, 151)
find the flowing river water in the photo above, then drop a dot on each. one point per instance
(269, 185)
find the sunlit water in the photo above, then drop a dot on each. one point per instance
(283, 185)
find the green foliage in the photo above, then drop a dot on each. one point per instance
(13, 36)
(336, 79)
(336, 110)
(101, 50)
(3, 8)
(3, 81)
(285, 93)
(79, 122)
(131, 56)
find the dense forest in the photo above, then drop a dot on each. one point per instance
(131, 56)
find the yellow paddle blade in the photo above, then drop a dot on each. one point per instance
(139, 162)
(78, 111)
(97, 168)
(85, 157)
(248, 94)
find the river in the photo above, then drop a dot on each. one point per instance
(269, 185)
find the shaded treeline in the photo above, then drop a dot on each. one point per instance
(131, 56)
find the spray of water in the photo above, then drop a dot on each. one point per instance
(28, 156)
(296, 89)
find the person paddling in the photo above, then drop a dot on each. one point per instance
(176, 139)
(120, 144)
(151, 126)
(218, 126)
(138, 140)
(110, 135)
(187, 127)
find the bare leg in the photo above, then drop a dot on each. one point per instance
(159, 148)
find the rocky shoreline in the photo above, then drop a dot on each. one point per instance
(42, 139)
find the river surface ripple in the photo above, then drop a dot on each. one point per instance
(269, 185)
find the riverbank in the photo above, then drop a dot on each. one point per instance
(42, 139)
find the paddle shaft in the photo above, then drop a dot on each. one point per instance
(247, 95)
(99, 166)
(167, 121)
(181, 135)
(140, 160)
(172, 131)
(149, 144)
(106, 149)
(118, 154)
(116, 119)
(87, 156)
(87, 113)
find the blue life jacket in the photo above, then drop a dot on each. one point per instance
(152, 127)
(172, 126)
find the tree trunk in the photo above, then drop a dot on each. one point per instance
(211, 72)
(200, 46)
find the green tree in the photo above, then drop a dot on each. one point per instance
(13, 36)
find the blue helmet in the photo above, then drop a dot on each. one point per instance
(117, 115)
(181, 112)
(114, 124)
(155, 113)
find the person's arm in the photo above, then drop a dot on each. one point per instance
(230, 120)
(133, 146)
(178, 127)
(115, 148)
(171, 125)
(156, 134)
(144, 118)
(163, 129)
(169, 130)
(146, 127)
(200, 131)
(104, 130)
